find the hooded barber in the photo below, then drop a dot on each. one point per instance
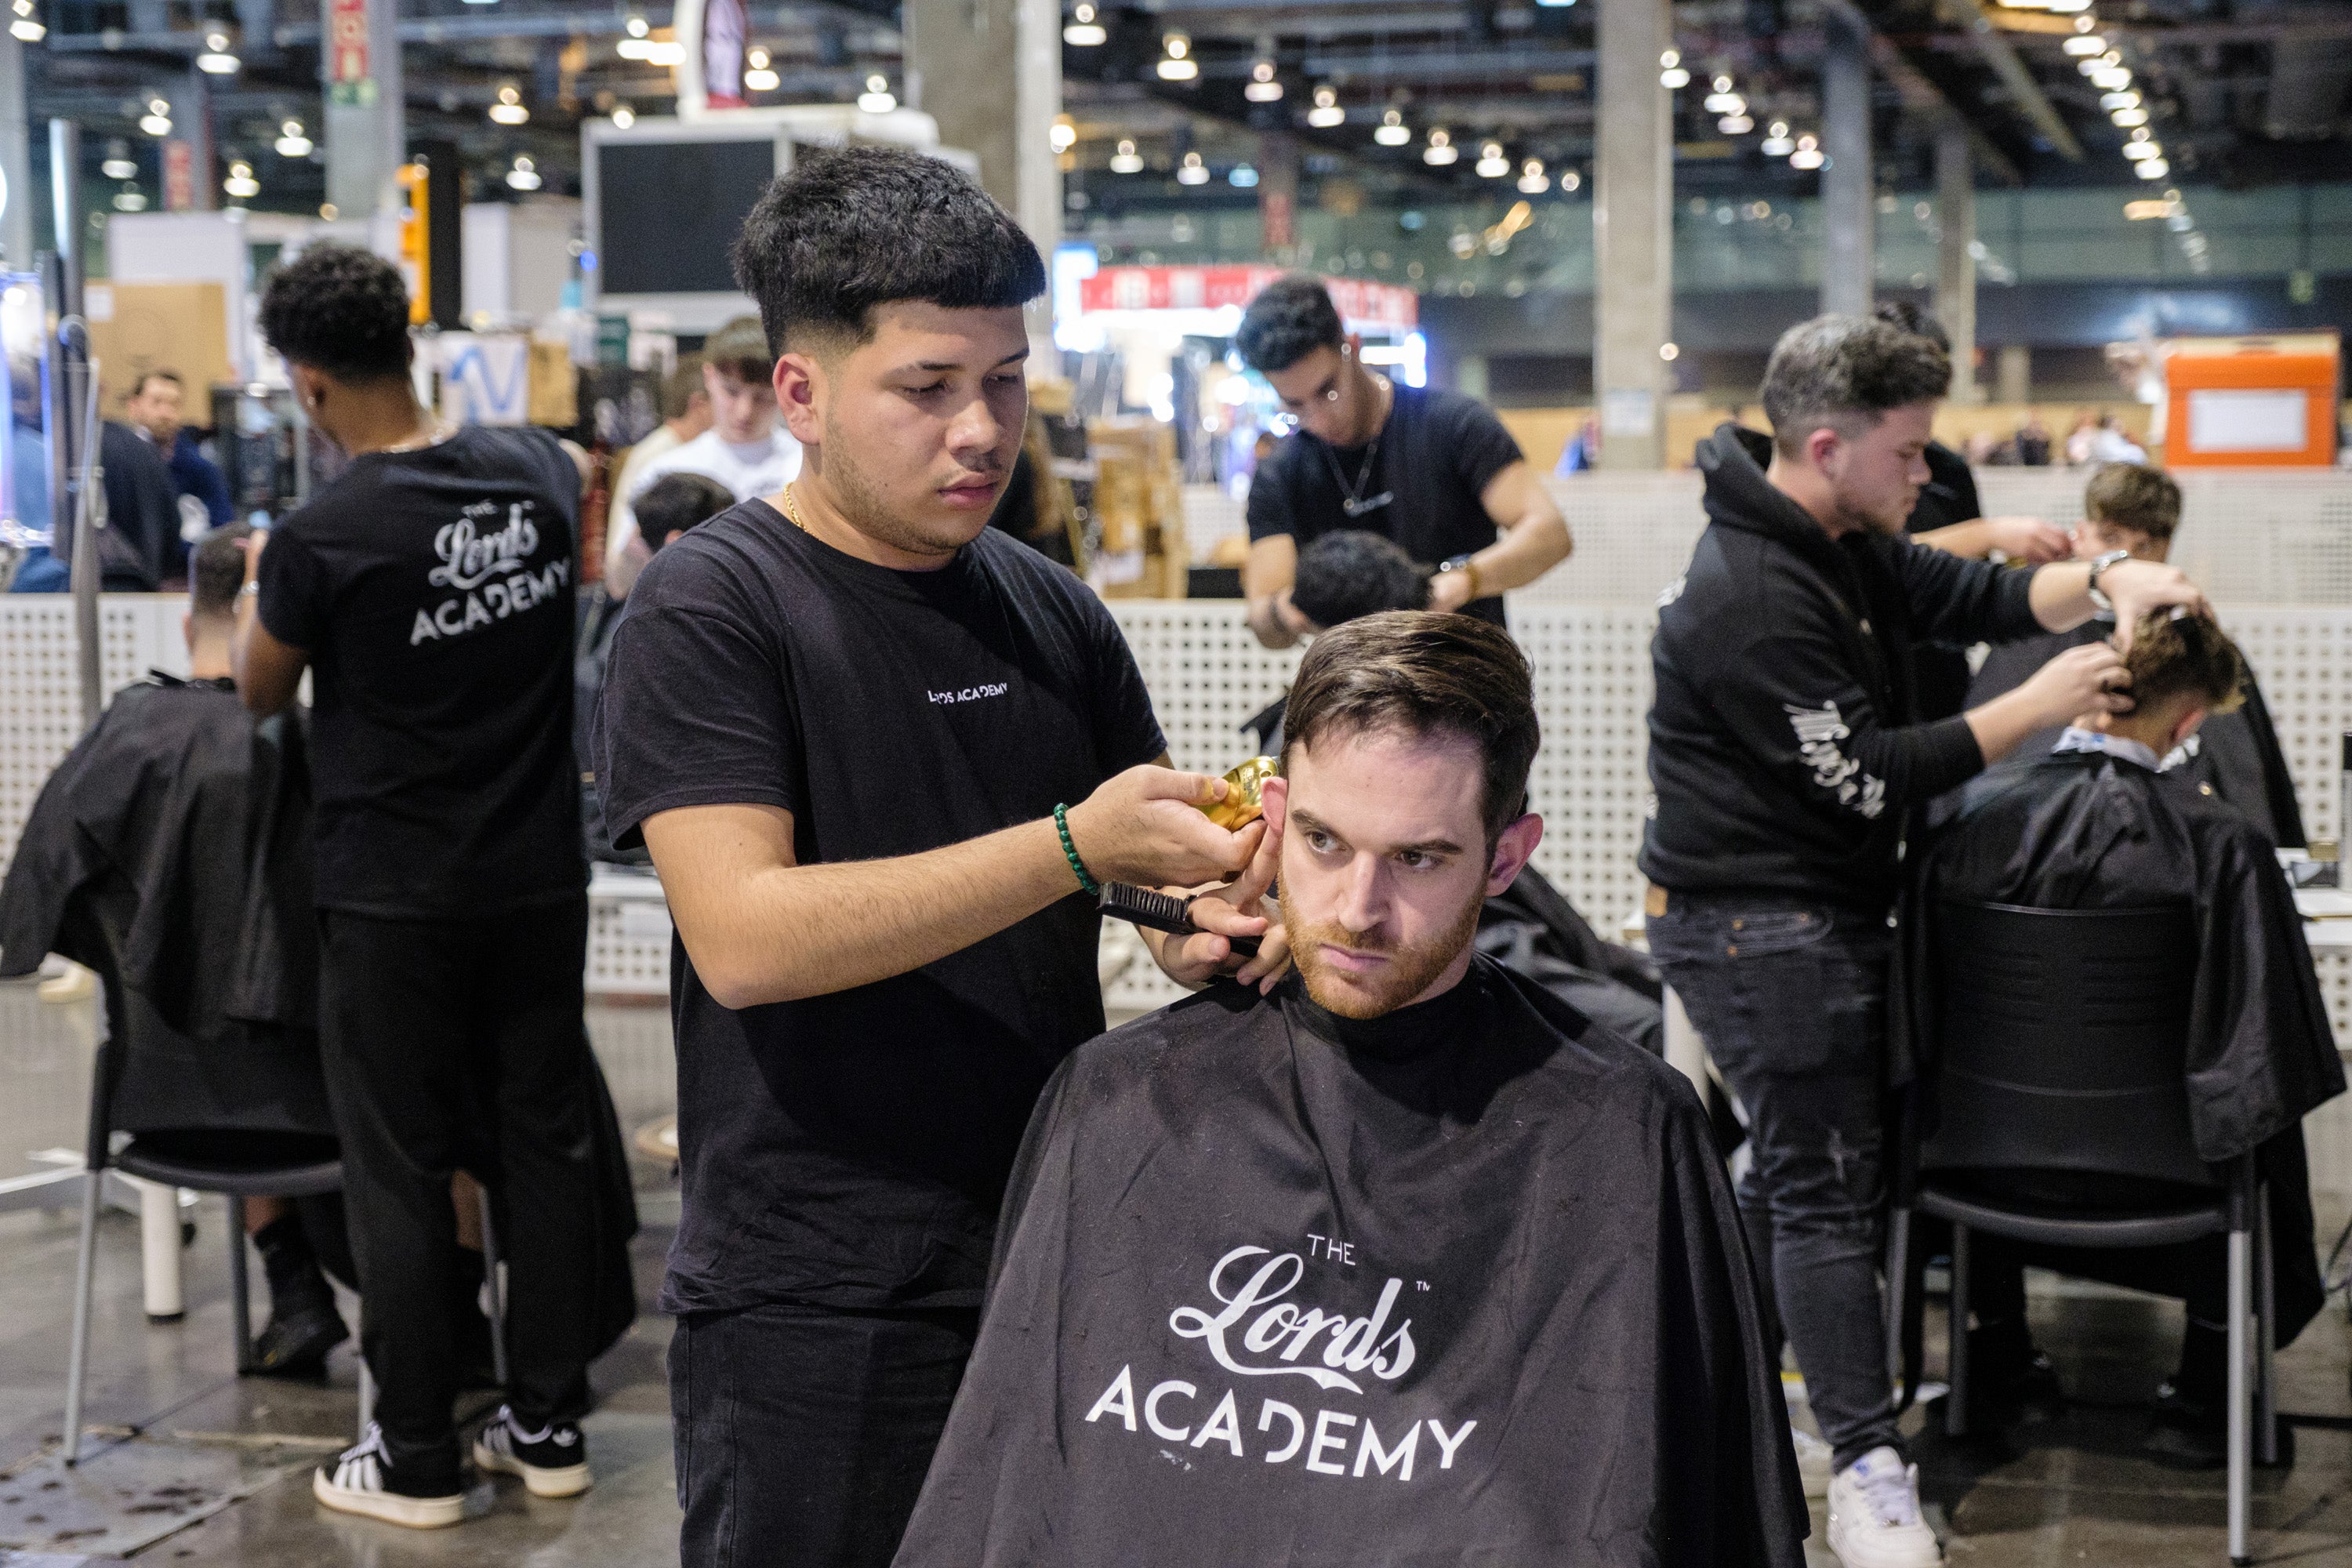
(1785, 754)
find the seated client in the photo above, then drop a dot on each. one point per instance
(2095, 826)
(1406, 1262)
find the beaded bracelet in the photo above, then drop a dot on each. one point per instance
(1070, 852)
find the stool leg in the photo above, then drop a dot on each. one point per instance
(498, 1291)
(1898, 1277)
(2266, 1445)
(78, 1358)
(240, 1310)
(1955, 1403)
(2241, 1458)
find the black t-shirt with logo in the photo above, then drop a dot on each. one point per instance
(1435, 455)
(851, 1150)
(433, 591)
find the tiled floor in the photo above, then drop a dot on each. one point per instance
(2070, 1492)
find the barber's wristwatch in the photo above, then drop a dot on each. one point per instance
(1469, 569)
(2099, 564)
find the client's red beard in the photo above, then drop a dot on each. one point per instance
(1408, 972)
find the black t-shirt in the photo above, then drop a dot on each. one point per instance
(433, 590)
(1436, 453)
(851, 1150)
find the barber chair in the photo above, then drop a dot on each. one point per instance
(2060, 1045)
(281, 1165)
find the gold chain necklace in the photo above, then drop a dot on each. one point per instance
(792, 511)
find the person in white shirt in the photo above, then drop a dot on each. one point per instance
(746, 448)
(685, 413)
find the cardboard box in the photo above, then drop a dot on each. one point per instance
(138, 327)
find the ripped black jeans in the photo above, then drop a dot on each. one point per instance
(1791, 998)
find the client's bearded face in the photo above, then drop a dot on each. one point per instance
(1384, 866)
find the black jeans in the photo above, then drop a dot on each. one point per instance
(453, 1044)
(803, 1434)
(1790, 997)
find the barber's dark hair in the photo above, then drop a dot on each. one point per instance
(1424, 674)
(1916, 319)
(852, 227)
(1845, 372)
(740, 349)
(1353, 572)
(340, 310)
(1290, 319)
(216, 571)
(681, 386)
(2137, 496)
(676, 503)
(139, 387)
(2189, 655)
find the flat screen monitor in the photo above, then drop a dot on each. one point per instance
(671, 210)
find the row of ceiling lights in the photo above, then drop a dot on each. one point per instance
(1803, 150)
(2105, 68)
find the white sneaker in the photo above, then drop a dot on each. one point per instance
(1875, 1515)
(552, 1461)
(361, 1484)
(1812, 1461)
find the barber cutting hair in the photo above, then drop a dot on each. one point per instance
(1787, 754)
(1432, 471)
(912, 747)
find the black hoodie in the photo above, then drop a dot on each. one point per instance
(1785, 750)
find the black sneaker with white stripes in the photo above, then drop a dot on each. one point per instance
(364, 1481)
(552, 1460)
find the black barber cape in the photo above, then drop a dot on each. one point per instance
(1463, 1284)
(172, 844)
(2084, 830)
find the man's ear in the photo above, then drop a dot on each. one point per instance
(1822, 447)
(1513, 847)
(799, 381)
(1274, 801)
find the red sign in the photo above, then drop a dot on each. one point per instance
(1361, 303)
(179, 176)
(347, 50)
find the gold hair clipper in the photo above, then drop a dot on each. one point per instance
(1242, 805)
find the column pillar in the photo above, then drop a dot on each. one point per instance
(960, 54)
(15, 158)
(2015, 373)
(1848, 207)
(196, 122)
(1632, 234)
(1277, 195)
(366, 125)
(1956, 261)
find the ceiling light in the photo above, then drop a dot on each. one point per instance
(1178, 64)
(1061, 135)
(2142, 150)
(1670, 352)
(1671, 74)
(623, 116)
(1492, 165)
(118, 164)
(1125, 161)
(877, 98)
(1532, 181)
(26, 28)
(291, 143)
(1083, 31)
(2114, 79)
(240, 183)
(129, 199)
(1191, 171)
(1327, 111)
(762, 75)
(1441, 150)
(636, 27)
(1242, 175)
(1392, 131)
(1776, 143)
(509, 109)
(2126, 119)
(155, 124)
(669, 52)
(216, 60)
(524, 175)
(1723, 100)
(2085, 44)
(1262, 87)
(2113, 101)
(2135, 212)
(1734, 125)
(1570, 179)
(2153, 169)
(1808, 153)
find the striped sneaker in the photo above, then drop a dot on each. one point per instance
(364, 1482)
(552, 1461)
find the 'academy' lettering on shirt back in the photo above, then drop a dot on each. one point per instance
(489, 571)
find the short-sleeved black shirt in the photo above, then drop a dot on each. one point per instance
(433, 591)
(1436, 453)
(851, 1150)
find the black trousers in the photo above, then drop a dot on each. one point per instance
(451, 1043)
(803, 1434)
